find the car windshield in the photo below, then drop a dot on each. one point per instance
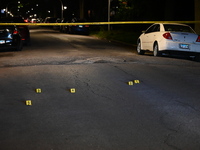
(178, 28)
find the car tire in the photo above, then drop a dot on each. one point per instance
(197, 57)
(156, 50)
(19, 46)
(139, 50)
(28, 42)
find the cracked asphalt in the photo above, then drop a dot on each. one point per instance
(105, 113)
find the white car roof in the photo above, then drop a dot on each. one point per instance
(173, 24)
(162, 25)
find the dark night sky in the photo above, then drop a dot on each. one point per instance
(148, 9)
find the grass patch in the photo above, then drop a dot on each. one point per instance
(122, 36)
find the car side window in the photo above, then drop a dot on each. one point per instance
(154, 28)
(157, 28)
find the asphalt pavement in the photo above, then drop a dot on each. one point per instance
(97, 96)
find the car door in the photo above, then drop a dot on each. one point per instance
(150, 36)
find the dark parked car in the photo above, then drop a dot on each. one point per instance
(24, 30)
(64, 28)
(81, 29)
(10, 38)
(50, 20)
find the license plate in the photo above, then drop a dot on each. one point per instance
(2, 41)
(184, 46)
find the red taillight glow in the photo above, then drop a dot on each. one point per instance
(15, 32)
(198, 39)
(167, 36)
(20, 26)
(86, 25)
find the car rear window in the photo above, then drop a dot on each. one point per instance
(178, 28)
(6, 27)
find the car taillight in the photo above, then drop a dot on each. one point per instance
(198, 39)
(167, 36)
(86, 25)
(21, 27)
(15, 32)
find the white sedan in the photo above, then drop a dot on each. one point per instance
(168, 37)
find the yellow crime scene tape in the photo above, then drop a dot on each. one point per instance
(100, 23)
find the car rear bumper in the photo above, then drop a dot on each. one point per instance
(179, 46)
(8, 46)
(184, 53)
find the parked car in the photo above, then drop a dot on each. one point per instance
(64, 28)
(10, 38)
(169, 37)
(50, 20)
(80, 29)
(24, 30)
(57, 27)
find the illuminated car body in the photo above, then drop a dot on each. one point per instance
(24, 30)
(78, 29)
(165, 37)
(10, 38)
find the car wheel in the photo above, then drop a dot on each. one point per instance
(139, 50)
(156, 50)
(19, 46)
(197, 57)
(28, 42)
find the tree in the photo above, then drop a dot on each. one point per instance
(153, 10)
(137, 10)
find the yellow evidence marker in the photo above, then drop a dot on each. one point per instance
(137, 81)
(38, 90)
(72, 90)
(28, 102)
(130, 83)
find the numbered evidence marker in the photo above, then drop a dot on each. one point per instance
(73, 90)
(137, 81)
(133, 82)
(28, 102)
(130, 83)
(38, 90)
